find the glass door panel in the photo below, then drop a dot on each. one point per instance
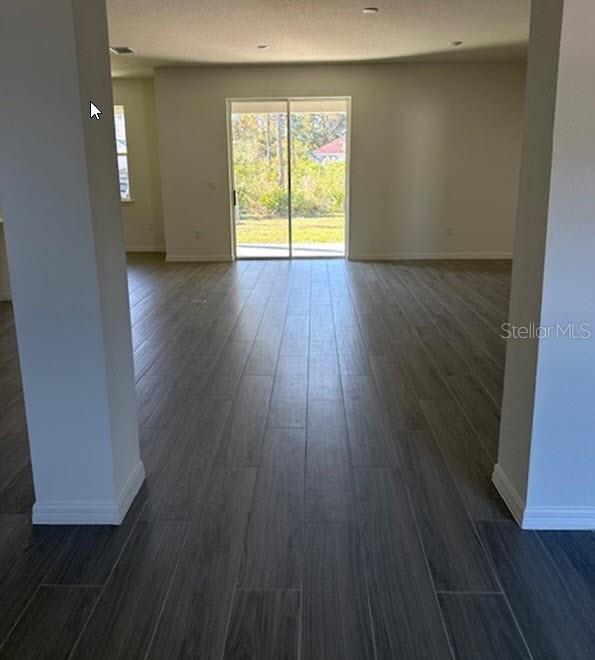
(261, 178)
(318, 145)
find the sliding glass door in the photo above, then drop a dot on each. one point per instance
(318, 151)
(289, 161)
(260, 168)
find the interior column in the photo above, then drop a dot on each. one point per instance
(60, 201)
(546, 461)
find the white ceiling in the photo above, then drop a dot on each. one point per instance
(184, 32)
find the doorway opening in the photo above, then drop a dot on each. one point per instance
(289, 173)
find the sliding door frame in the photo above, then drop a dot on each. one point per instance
(287, 100)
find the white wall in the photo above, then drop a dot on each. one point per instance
(433, 145)
(528, 268)
(546, 460)
(63, 230)
(143, 216)
(564, 466)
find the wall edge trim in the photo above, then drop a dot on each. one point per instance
(198, 257)
(145, 248)
(91, 513)
(429, 255)
(559, 518)
(509, 494)
(542, 517)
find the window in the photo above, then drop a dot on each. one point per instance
(122, 151)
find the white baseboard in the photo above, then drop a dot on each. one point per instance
(559, 518)
(509, 494)
(130, 490)
(91, 513)
(198, 257)
(358, 257)
(542, 517)
(145, 248)
(398, 256)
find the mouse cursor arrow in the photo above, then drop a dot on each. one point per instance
(95, 111)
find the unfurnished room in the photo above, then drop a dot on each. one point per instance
(296, 329)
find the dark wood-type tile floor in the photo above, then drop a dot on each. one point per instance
(318, 438)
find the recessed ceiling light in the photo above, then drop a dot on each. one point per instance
(370, 10)
(263, 47)
(121, 50)
(456, 44)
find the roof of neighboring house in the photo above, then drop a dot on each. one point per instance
(335, 147)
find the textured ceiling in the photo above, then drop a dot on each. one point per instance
(228, 31)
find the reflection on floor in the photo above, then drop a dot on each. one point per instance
(318, 437)
(271, 251)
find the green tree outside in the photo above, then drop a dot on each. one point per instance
(260, 174)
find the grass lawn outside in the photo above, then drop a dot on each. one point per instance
(257, 231)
